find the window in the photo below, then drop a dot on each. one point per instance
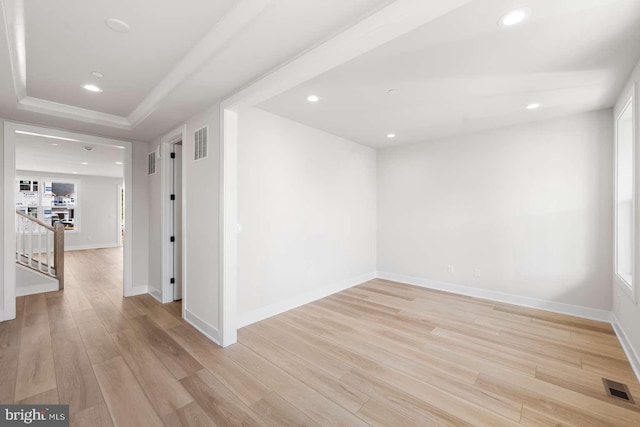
(53, 201)
(624, 197)
(63, 204)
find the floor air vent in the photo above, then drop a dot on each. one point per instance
(617, 390)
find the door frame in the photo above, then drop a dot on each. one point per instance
(166, 219)
(9, 162)
(119, 190)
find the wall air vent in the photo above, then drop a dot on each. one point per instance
(152, 163)
(201, 143)
(617, 390)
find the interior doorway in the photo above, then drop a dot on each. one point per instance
(76, 209)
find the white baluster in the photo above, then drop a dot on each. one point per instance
(24, 237)
(40, 229)
(30, 245)
(48, 253)
(18, 239)
(21, 237)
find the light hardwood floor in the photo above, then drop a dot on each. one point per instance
(381, 353)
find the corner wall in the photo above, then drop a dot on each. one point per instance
(139, 230)
(201, 184)
(626, 311)
(156, 263)
(523, 214)
(307, 207)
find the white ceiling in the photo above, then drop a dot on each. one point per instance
(35, 153)
(178, 58)
(463, 73)
(67, 39)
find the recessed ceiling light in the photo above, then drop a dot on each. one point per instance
(118, 25)
(92, 88)
(47, 136)
(84, 163)
(533, 106)
(75, 173)
(54, 144)
(515, 17)
(392, 91)
(97, 74)
(119, 163)
(391, 135)
(313, 98)
(87, 148)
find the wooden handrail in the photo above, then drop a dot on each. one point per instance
(37, 221)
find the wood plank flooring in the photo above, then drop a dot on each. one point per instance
(378, 354)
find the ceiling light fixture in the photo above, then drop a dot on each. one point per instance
(392, 91)
(391, 135)
(313, 98)
(119, 163)
(47, 136)
(84, 163)
(75, 173)
(533, 106)
(54, 144)
(87, 148)
(92, 88)
(97, 74)
(118, 25)
(515, 17)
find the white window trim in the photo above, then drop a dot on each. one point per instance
(629, 290)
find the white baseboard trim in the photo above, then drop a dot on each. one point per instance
(156, 294)
(137, 290)
(556, 307)
(291, 303)
(88, 247)
(631, 353)
(205, 329)
(36, 289)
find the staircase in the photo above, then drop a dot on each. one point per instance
(40, 247)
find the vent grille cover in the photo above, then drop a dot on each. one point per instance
(617, 390)
(152, 163)
(202, 142)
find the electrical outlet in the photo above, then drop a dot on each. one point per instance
(476, 272)
(450, 269)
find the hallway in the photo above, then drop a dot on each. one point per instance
(83, 345)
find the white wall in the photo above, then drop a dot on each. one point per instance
(155, 226)
(530, 206)
(97, 203)
(307, 205)
(625, 309)
(139, 230)
(202, 243)
(2, 225)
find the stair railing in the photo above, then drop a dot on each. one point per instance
(40, 246)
